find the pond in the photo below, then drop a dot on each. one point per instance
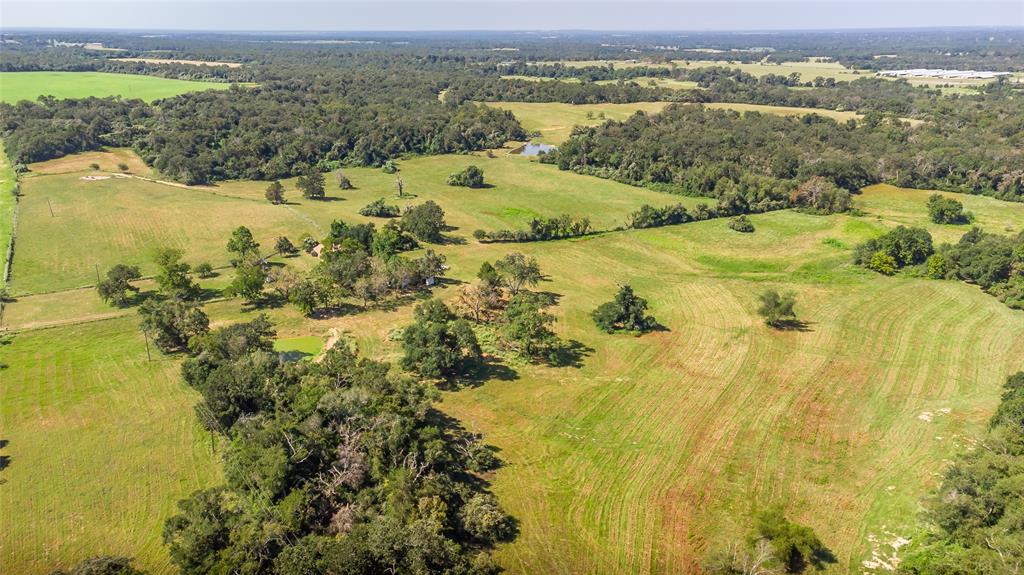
(533, 149)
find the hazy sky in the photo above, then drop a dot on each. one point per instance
(506, 14)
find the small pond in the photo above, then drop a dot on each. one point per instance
(534, 149)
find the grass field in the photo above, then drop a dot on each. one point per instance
(655, 448)
(8, 182)
(16, 86)
(174, 61)
(103, 222)
(555, 121)
(807, 70)
(101, 443)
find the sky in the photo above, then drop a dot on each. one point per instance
(403, 15)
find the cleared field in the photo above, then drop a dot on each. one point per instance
(807, 70)
(17, 86)
(555, 121)
(103, 222)
(98, 223)
(101, 444)
(657, 447)
(8, 181)
(908, 206)
(173, 61)
(107, 160)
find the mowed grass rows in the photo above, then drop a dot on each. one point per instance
(637, 462)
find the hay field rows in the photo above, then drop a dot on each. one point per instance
(17, 86)
(636, 462)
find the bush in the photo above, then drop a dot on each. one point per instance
(204, 270)
(937, 268)
(471, 177)
(943, 210)
(389, 167)
(122, 166)
(94, 166)
(741, 224)
(882, 263)
(377, 208)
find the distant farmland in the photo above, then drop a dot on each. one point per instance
(17, 86)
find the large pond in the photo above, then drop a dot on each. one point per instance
(533, 149)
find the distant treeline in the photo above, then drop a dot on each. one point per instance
(695, 151)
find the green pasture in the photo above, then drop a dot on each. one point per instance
(17, 86)
(652, 451)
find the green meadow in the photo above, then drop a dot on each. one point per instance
(637, 461)
(17, 86)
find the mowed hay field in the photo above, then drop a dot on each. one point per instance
(17, 86)
(636, 462)
(101, 444)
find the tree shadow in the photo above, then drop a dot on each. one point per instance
(569, 353)
(334, 311)
(450, 240)
(491, 368)
(293, 355)
(822, 556)
(793, 325)
(329, 199)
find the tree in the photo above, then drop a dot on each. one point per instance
(905, 245)
(172, 323)
(471, 177)
(796, 546)
(626, 312)
(311, 184)
(248, 282)
(484, 519)
(243, 244)
(819, 195)
(173, 275)
(343, 181)
(285, 247)
(518, 271)
(437, 344)
(204, 270)
(525, 326)
(777, 309)
(943, 210)
(389, 167)
(304, 297)
(737, 559)
(275, 193)
(425, 221)
(122, 166)
(400, 185)
(115, 287)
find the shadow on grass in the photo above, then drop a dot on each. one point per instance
(792, 325)
(569, 354)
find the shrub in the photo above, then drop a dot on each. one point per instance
(389, 167)
(741, 224)
(122, 166)
(377, 208)
(882, 263)
(94, 166)
(204, 270)
(471, 177)
(937, 268)
(943, 210)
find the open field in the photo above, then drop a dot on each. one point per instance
(807, 70)
(101, 443)
(173, 61)
(8, 181)
(16, 86)
(655, 448)
(103, 222)
(555, 121)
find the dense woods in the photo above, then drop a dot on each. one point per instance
(753, 159)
